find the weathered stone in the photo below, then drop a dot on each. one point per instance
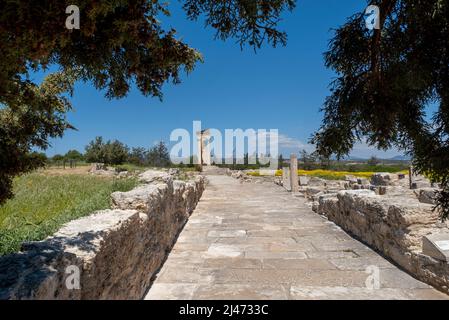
(240, 175)
(116, 251)
(383, 179)
(173, 171)
(294, 173)
(351, 179)
(292, 264)
(311, 191)
(303, 180)
(393, 225)
(102, 170)
(123, 174)
(143, 198)
(381, 190)
(436, 246)
(317, 182)
(97, 167)
(172, 291)
(286, 246)
(363, 181)
(240, 292)
(151, 176)
(427, 195)
(88, 244)
(286, 182)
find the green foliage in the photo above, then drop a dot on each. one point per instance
(111, 152)
(27, 123)
(249, 21)
(74, 155)
(137, 156)
(116, 152)
(158, 156)
(120, 43)
(386, 80)
(39, 157)
(280, 162)
(308, 160)
(96, 151)
(373, 161)
(57, 157)
(43, 203)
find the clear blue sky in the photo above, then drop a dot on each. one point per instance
(280, 88)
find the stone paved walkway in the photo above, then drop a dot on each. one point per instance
(256, 241)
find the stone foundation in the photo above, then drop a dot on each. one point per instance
(392, 225)
(116, 251)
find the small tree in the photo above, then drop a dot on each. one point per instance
(307, 159)
(95, 151)
(158, 156)
(373, 161)
(280, 162)
(116, 152)
(74, 155)
(40, 158)
(246, 159)
(137, 156)
(57, 157)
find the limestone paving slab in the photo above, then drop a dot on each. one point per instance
(257, 241)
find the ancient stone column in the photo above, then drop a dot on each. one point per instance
(294, 173)
(199, 154)
(203, 152)
(206, 148)
(411, 178)
(286, 178)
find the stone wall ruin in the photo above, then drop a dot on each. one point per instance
(116, 251)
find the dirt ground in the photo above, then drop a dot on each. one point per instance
(56, 171)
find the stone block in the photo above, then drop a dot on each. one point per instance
(382, 179)
(116, 251)
(436, 246)
(427, 195)
(303, 180)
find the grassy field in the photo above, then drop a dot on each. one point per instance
(45, 200)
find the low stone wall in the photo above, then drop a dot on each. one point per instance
(392, 225)
(116, 251)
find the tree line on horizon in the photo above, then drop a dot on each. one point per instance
(385, 81)
(115, 152)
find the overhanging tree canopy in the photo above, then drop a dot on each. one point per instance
(387, 79)
(120, 42)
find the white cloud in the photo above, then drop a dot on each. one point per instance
(363, 150)
(292, 143)
(286, 142)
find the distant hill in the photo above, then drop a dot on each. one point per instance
(350, 158)
(395, 158)
(400, 158)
